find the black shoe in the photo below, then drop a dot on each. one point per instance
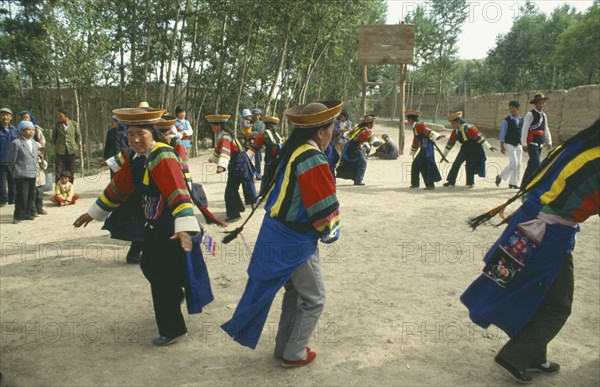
(546, 368)
(513, 186)
(359, 183)
(233, 218)
(471, 186)
(28, 217)
(34, 215)
(498, 180)
(134, 255)
(414, 186)
(16, 221)
(429, 188)
(11, 203)
(42, 212)
(2, 205)
(162, 341)
(512, 372)
(448, 184)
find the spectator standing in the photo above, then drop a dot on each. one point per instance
(67, 141)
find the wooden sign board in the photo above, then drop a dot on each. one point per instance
(386, 44)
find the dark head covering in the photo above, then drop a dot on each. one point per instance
(64, 111)
(178, 109)
(31, 117)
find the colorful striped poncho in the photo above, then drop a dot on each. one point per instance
(465, 133)
(301, 209)
(170, 198)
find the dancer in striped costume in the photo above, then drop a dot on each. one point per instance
(471, 150)
(526, 287)
(301, 209)
(153, 169)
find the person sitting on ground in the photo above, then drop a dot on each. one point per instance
(387, 150)
(64, 192)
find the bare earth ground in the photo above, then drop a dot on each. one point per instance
(73, 313)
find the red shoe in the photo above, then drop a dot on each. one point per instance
(310, 356)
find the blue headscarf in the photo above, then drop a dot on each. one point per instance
(24, 125)
(31, 117)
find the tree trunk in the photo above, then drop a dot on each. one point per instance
(171, 54)
(243, 75)
(147, 56)
(224, 45)
(279, 67)
(180, 54)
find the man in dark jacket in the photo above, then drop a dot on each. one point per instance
(66, 137)
(8, 134)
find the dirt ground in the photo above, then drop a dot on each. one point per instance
(74, 314)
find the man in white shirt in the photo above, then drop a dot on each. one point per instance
(535, 133)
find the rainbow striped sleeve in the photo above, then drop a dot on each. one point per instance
(164, 166)
(474, 134)
(451, 141)
(222, 153)
(117, 191)
(317, 189)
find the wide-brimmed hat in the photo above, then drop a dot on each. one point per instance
(138, 116)
(313, 114)
(6, 110)
(271, 119)
(217, 118)
(166, 122)
(143, 104)
(368, 118)
(539, 97)
(455, 116)
(412, 112)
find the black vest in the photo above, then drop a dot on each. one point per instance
(513, 133)
(535, 125)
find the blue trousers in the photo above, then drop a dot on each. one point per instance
(7, 186)
(533, 164)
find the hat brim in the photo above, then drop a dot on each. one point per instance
(138, 116)
(538, 100)
(217, 118)
(166, 122)
(301, 120)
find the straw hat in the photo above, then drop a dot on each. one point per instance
(271, 119)
(368, 118)
(538, 97)
(217, 118)
(314, 114)
(412, 112)
(455, 116)
(166, 122)
(138, 116)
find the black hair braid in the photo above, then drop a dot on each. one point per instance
(297, 138)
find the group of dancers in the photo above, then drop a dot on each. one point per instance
(298, 190)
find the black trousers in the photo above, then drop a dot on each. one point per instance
(233, 200)
(25, 196)
(65, 163)
(530, 345)
(163, 266)
(534, 151)
(461, 157)
(38, 200)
